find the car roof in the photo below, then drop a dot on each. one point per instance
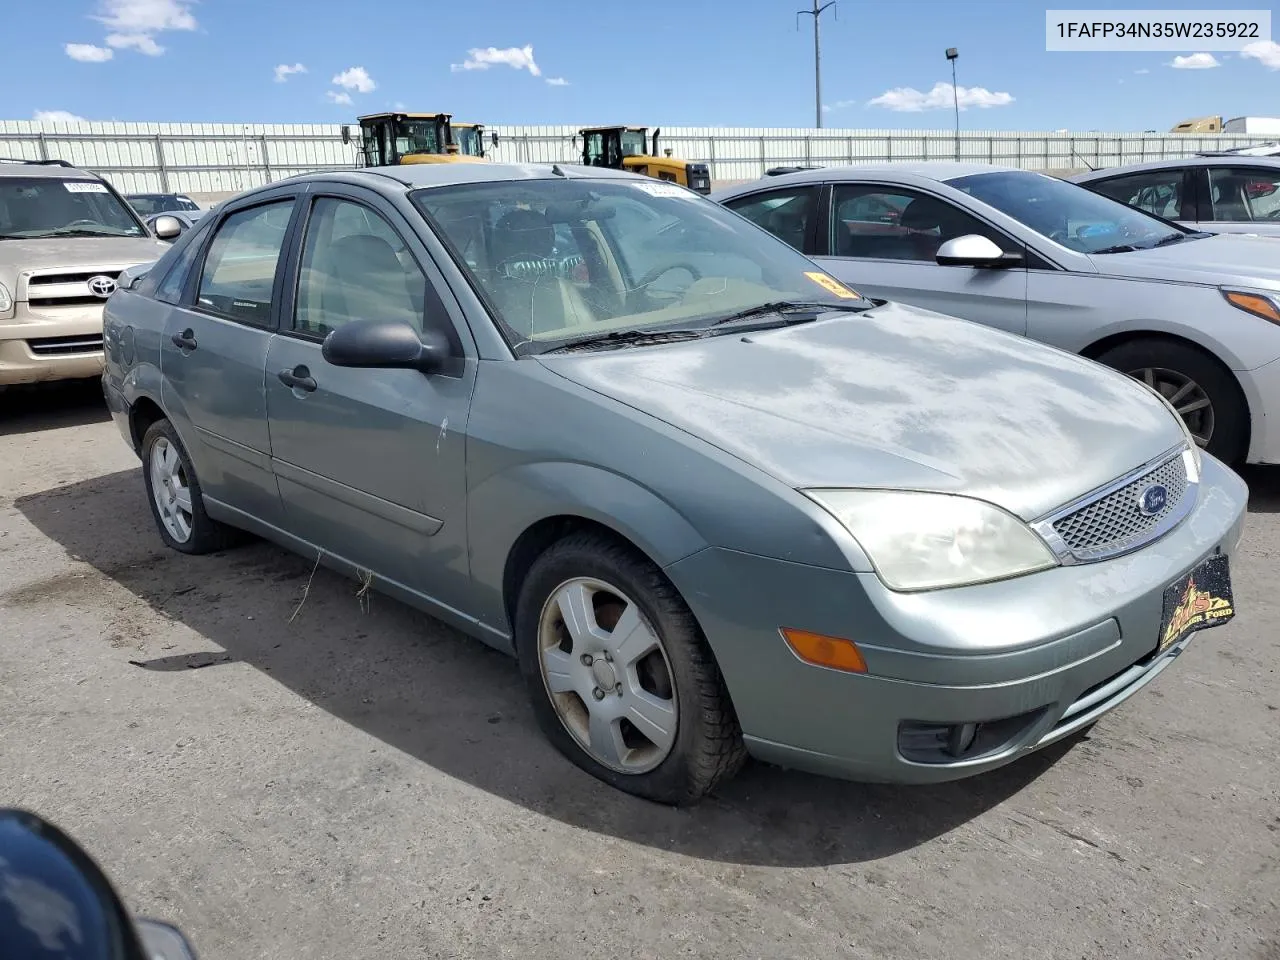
(418, 175)
(938, 170)
(1232, 160)
(52, 171)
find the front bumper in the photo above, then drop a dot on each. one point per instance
(1034, 658)
(65, 344)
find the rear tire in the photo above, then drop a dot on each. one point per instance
(621, 679)
(1188, 377)
(173, 490)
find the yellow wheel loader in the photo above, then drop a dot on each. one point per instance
(627, 148)
(387, 139)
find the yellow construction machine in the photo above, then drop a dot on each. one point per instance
(628, 148)
(387, 139)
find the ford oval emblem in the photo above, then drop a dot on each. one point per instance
(1153, 499)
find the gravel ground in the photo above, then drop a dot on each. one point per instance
(344, 777)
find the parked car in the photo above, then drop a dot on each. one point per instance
(65, 235)
(1220, 193)
(713, 500)
(149, 204)
(1195, 316)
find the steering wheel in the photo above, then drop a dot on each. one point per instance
(664, 268)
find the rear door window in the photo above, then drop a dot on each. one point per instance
(238, 278)
(1158, 192)
(1239, 194)
(787, 214)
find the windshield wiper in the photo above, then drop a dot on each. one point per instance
(621, 338)
(1118, 248)
(1171, 238)
(85, 232)
(789, 306)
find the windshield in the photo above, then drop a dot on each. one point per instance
(418, 136)
(468, 140)
(148, 204)
(1068, 214)
(634, 143)
(46, 207)
(560, 260)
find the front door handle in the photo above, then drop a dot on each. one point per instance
(299, 378)
(186, 340)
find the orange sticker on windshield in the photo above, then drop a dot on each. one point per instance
(831, 285)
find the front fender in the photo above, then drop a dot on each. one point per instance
(508, 503)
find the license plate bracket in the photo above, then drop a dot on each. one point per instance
(1198, 600)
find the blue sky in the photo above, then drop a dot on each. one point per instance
(724, 63)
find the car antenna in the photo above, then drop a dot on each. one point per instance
(1092, 169)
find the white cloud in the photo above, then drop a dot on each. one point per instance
(838, 105)
(517, 58)
(911, 100)
(557, 82)
(142, 42)
(57, 116)
(284, 71)
(357, 79)
(1143, 70)
(1195, 61)
(333, 96)
(146, 16)
(132, 25)
(1266, 52)
(88, 53)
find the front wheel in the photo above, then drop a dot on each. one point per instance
(1202, 390)
(621, 679)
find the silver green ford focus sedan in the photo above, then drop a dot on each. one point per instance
(716, 502)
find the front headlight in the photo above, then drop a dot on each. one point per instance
(923, 541)
(6, 299)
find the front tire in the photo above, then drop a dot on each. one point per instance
(1202, 390)
(173, 490)
(621, 679)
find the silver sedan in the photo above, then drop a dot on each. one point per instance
(1196, 316)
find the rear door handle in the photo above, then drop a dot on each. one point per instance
(299, 378)
(186, 340)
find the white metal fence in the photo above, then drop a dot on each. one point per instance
(226, 157)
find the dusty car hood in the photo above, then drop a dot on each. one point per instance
(899, 397)
(1224, 258)
(20, 256)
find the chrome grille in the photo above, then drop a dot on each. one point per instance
(64, 288)
(1113, 523)
(65, 346)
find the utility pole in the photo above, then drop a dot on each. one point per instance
(818, 9)
(953, 55)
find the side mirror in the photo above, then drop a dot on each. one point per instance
(972, 250)
(129, 276)
(386, 346)
(68, 906)
(168, 228)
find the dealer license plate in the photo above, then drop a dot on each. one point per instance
(1200, 600)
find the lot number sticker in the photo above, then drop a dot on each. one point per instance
(831, 285)
(665, 190)
(84, 186)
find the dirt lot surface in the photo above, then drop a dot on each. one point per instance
(358, 781)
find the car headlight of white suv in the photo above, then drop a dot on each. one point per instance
(926, 541)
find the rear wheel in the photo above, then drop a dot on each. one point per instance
(174, 491)
(621, 679)
(1199, 387)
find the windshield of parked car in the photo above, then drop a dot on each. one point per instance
(153, 203)
(1069, 214)
(35, 207)
(559, 260)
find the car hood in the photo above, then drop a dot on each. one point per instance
(21, 256)
(898, 397)
(1224, 258)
